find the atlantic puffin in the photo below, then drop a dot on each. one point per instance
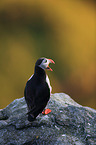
(38, 89)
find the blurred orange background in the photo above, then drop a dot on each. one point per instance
(64, 30)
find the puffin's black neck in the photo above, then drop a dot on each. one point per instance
(40, 72)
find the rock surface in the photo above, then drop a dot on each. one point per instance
(68, 124)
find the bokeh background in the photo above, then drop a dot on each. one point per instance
(64, 30)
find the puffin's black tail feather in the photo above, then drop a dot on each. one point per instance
(31, 117)
(32, 114)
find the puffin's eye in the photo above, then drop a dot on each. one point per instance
(45, 61)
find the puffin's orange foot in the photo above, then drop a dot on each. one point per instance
(47, 111)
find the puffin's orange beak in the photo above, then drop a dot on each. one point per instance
(50, 61)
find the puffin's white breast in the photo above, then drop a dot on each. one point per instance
(30, 77)
(48, 82)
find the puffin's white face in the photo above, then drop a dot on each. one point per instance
(45, 64)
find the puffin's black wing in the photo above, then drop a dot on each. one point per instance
(37, 94)
(29, 94)
(29, 99)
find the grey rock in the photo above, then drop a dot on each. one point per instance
(68, 124)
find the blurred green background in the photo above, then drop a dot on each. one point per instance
(64, 30)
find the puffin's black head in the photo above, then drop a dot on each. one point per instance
(44, 63)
